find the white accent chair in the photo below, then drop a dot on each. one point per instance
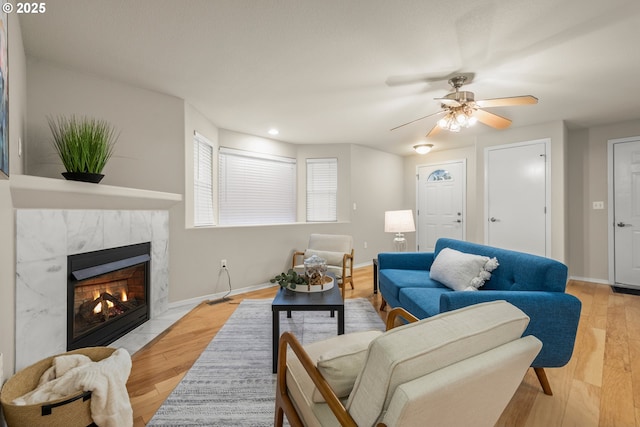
(459, 368)
(336, 249)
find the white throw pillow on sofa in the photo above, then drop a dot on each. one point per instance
(458, 270)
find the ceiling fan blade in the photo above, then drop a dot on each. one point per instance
(493, 120)
(407, 79)
(418, 119)
(507, 102)
(434, 131)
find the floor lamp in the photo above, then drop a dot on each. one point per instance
(399, 222)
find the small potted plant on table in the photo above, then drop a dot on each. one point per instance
(84, 146)
(289, 280)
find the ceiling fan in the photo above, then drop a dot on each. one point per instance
(461, 110)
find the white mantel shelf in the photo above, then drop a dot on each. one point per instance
(34, 192)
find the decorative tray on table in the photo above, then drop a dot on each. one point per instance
(328, 284)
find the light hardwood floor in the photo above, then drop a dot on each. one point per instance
(600, 386)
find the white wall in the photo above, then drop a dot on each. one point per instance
(256, 253)
(376, 187)
(17, 117)
(155, 152)
(588, 228)
(151, 126)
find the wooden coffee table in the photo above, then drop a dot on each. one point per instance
(330, 300)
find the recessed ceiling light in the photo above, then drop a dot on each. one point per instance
(273, 131)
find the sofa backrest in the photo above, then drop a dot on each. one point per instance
(518, 271)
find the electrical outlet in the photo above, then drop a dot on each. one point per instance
(598, 205)
(223, 263)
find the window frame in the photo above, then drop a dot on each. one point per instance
(266, 199)
(323, 189)
(200, 186)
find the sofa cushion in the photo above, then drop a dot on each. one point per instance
(393, 280)
(422, 302)
(459, 270)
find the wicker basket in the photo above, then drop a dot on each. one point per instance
(72, 411)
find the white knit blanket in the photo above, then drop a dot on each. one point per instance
(106, 379)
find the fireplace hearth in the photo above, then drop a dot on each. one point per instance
(108, 294)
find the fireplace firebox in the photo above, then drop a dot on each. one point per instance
(107, 294)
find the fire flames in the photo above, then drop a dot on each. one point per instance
(100, 306)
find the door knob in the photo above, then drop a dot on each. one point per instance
(458, 220)
(622, 224)
(493, 219)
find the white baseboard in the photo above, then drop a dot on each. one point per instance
(219, 295)
(589, 279)
(212, 297)
(364, 264)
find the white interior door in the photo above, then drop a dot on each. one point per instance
(626, 208)
(516, 197)
(441, 196)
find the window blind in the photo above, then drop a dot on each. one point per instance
(322, 190)
(202, 181)
(255, 188)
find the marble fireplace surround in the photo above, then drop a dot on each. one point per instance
(44, 239)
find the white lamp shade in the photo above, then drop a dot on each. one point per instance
(399, 221)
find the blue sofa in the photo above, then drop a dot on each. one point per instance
(532, 283)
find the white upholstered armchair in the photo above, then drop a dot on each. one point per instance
(335, 249)
(459, 368)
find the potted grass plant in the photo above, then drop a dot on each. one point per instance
(84, 145)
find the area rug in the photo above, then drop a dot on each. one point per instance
(231, 383)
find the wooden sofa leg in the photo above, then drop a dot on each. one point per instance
(544, 382)
(383, 304)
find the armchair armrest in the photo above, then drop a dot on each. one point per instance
(554, 318)
(399, 312)
(295, 255)
(405, 260)
(347, 263)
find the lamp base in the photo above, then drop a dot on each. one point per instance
(400, 243)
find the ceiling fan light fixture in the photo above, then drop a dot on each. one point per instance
(422, 148)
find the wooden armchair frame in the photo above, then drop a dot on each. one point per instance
(284, 404)
(347, 263)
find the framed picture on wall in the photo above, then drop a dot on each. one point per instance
(4, 96)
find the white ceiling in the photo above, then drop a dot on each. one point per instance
(329, 71)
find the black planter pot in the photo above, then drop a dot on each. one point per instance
(83, 176)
